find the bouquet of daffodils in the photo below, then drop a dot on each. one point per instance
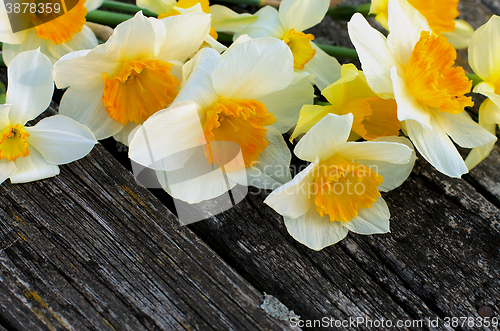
(208, 117)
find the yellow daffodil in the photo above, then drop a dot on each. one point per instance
(55, 38)
(340, 189)
(118, 85)
(373, 116)
(440, 15)
(288, 24)
(415, 67)
(247, 96)
(223, 18)
(30, 153)
(483, 59)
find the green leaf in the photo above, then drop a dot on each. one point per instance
(2, 93)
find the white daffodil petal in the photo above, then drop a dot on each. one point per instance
(488, 89)
(325, 68)
(7, 168)
(31, 42)
(226, 20)
(267, 24)
(314, 231)
(4, 116)
(157, 6)
(376, 58)
(371, 220)
(322, 139)
(197, 180)
(6, 34)
(393, 174)
(437, 148)
(478, 154)
(30, 86)
(375, 150)
(33, 167)
(82, 40)
(184, 35)
(408, 107)
(463, 130)
(461, 36)
(86, 107)
(489, 112)
(302, 14)
(93, 4)
(126, 134)
(484, 49)
(168, 138)
(128, 42)
(83, 69)
(273, 167)
(293, 199)
(197, 77)
(61, 139)
(286, 104)
(254, 69)
(405, 25)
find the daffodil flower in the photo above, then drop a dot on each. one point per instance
(247, 96)
(483, 59)
(340, 189)
(29, 153)
(374, 117)
(55, 38)
(415, 67)
(223, 18)
(288, 24)
(119, 84)
(440, 15)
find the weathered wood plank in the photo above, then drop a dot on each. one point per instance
(91, 249)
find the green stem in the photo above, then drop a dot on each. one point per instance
(2, 64)
(258, 3)
(126, 7)
(345, 12)
(106, 17)
(475, 78)
(337, 51)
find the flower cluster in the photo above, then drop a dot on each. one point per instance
(207, 118)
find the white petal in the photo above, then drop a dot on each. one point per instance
(322, 139)
(6, 34)
(371, 220)
(376, 58)
(484, 49)
(128, 41)
(286, 104)
(226, 20)
(82, 40)
(394, 174)
(157, 6)
(461, 36)
(197, 180)
(30, 86)
(197, 79)
(254, 69)
(273, 166)
(168, 138)
(436, 147)
(215, 44)
(93, 4)
(463, 130)
(86, 107)
(489, 112)
(60, 139)
(184, 35)
(83, 69)
(4, 116)
(488, 89)
(7, 168)
(293, 199)
(267, 24)
(314, 231)
(375, 150)
(126, 134)
(408, 107)
(302, 14)
(405, 25)
(33, 167)
(325, 68)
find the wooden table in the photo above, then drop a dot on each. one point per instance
(92, 250)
